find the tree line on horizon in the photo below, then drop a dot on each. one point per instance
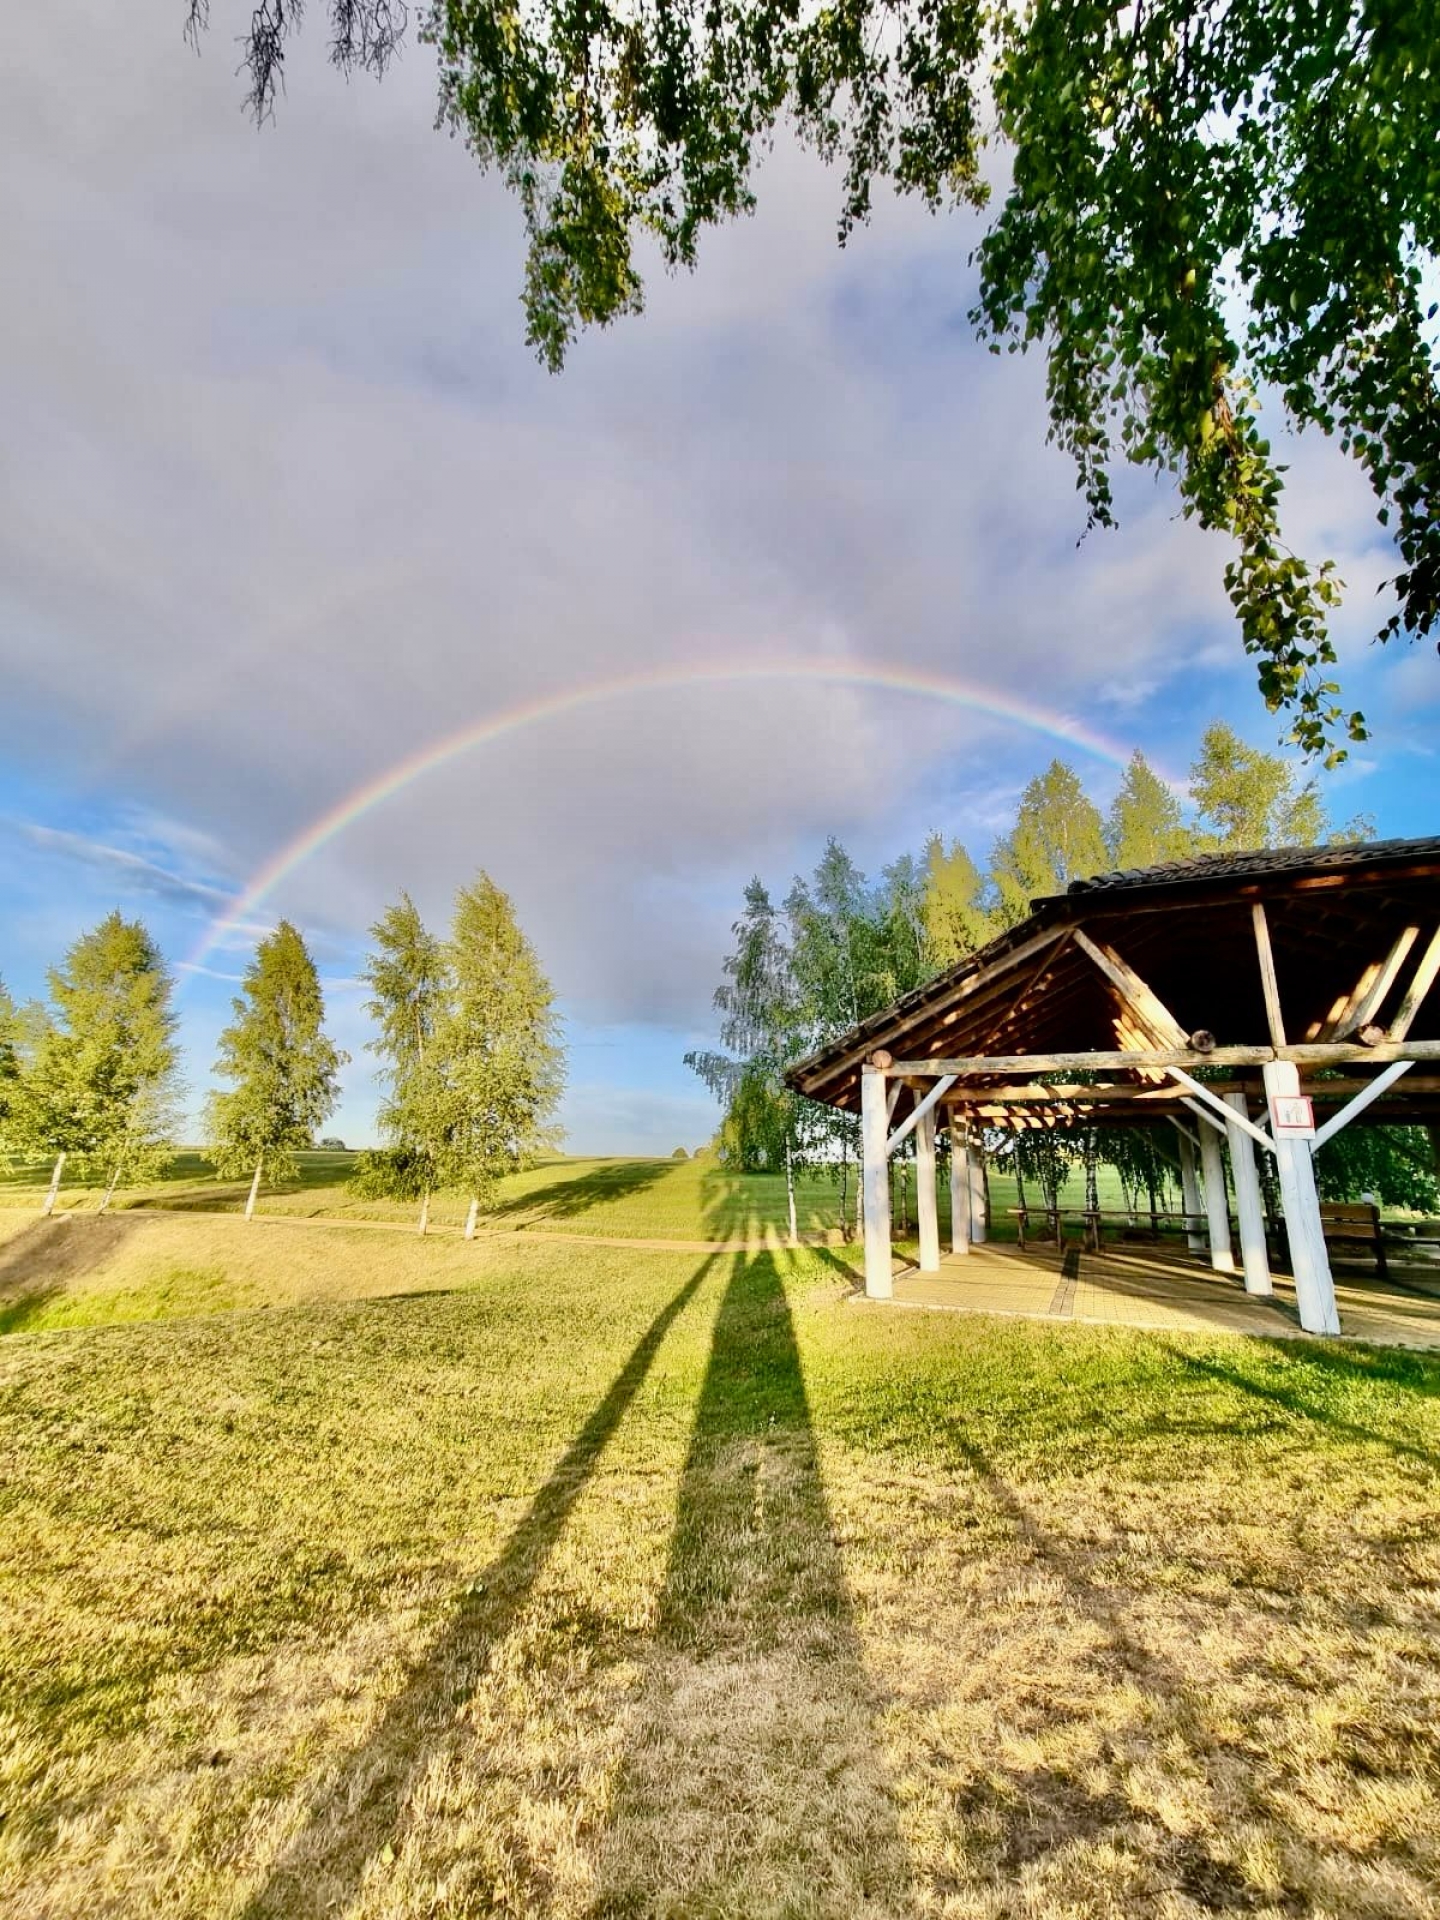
(839, 948)
(468, 1042)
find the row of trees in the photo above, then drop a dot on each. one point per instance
(839, 948)
(468, 1042)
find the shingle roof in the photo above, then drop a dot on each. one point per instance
(1241, 866)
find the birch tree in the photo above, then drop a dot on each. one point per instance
(9, 1064)
(761, 1032)
(283, 1066)
(1058, 837)
(502, 1057)
(99, 1078)
(410, 988)
(1146, 822)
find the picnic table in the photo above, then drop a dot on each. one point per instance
(1092, 1221)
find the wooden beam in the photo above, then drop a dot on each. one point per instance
(1379, 1085)
(1415, 994)
(1268, 980)
(1228, 1117)
(1096, 1061)
(1369, 1003)
(1162, 1026)
(918, 1112)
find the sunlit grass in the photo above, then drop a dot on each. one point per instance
(593, 1582)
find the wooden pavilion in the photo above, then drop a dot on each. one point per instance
(1296, 982)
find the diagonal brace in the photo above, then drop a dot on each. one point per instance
(1380, 1084)
(919, 1111)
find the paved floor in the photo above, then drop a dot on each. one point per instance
(1144, 1286)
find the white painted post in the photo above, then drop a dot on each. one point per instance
(254, 1189)
(926, 1209)
(1249, 1202)
(1217, 1202)
(959, 1187)
(1309, 1258)
(977, 1194)
(1190, 1192)
(874, 1131)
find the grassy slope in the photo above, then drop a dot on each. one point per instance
(656, 1199)
(632, 1582)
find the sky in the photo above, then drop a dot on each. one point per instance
(290, 516)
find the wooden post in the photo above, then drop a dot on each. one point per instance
(1190, 1192)
(474, 1208)
(49, 1206)
(1309, 1258)
(978, 1212)
(1217, 1202)
(927, 1213)
(874, 1130)
(254, 1189)
(1269, 983)
(960, 1197)
(1249, 1203)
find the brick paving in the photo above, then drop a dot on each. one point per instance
(1138, 1285)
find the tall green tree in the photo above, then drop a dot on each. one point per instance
(1146, 823)
(1058, 837)
(1213, 210)
(100, 1066)
(1247, 799)
(409, 980)
(500, 1044)
(284, 1067)
(762, 1031)
(957, 921)
(9, 1062)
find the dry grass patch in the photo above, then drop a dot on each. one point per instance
(640, 1584)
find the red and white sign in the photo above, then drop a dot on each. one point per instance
(1293, 1113)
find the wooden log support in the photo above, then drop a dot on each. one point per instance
(979, 1214)
(1249, 1200)
(926, 1209)
(1365, 1005)
(1309, 1260)
(918, 1113)
(875, 1174)
(1217, 1201)
(1415, 993)
(1155, 1017)
(1269, 982)
(1190, 1192)
(959, 1187)
(1379, 1086)
(1119, 1060)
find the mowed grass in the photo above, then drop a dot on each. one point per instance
(630, 1198)
(592, 1582)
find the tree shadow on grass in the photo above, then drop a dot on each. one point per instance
(1409, 1371)
(40, 1261)
(753, 1782)
(580, 1193)
(364, 1808)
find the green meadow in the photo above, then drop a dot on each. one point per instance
(349, 1573)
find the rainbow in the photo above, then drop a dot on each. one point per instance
(529, 713)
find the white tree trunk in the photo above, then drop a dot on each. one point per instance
(49, 1206)
(790, 1195)
(254, 1189)
(424, 1226)
(110, 1190)
(470, 1217)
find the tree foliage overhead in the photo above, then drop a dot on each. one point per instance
(1211, 204)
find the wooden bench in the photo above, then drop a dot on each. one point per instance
(1093, 1219)
(1354, 1223)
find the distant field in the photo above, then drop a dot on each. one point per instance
(345, 1573)
(643, 1199)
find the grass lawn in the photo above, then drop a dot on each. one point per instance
(587, 1582)
(650, 1199)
